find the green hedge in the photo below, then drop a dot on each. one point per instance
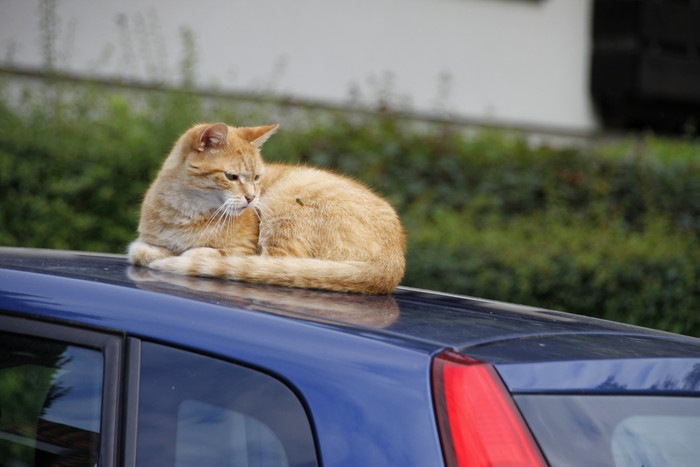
(607, 229)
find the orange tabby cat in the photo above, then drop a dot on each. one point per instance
(215, 209)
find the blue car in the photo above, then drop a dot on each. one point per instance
(106, 364)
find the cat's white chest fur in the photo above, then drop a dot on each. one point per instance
(192, 203)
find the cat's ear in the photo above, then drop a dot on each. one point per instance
(257, 135)
(213, 136)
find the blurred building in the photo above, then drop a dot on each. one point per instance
(560, 66)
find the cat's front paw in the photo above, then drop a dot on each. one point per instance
(202, 252)
(143, 254)
(174, 264)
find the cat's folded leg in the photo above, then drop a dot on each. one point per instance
(143, 254)
(203, 252)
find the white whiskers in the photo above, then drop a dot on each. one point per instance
(224, 217)
(261, 211)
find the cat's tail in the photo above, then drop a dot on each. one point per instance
(365, 277)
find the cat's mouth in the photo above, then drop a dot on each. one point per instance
(229, 208)
(234, 207)
(236, 211)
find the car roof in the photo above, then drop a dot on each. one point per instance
(494, 331)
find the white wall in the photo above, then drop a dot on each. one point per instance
(509, 62)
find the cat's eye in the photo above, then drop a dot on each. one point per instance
(232, 177)
(257, 177)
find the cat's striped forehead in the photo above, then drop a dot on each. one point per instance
(243, 160)
(234, 156)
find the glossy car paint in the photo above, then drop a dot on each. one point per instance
(361, 364)
(357, 389)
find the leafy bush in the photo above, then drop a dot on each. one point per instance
(650, 277)
(607, 229)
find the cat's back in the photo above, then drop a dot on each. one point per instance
(311, 185)
(318, 213)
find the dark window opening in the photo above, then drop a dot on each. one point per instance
(645, 70)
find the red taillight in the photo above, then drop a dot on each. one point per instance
(479, 423)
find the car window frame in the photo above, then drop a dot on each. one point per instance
(111, 347)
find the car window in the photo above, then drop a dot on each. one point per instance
(50, 402)
(197, 410)
(656, 440)
(619, 430)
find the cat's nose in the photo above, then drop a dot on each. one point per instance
(249, 198)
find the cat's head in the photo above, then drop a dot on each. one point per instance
(219, 164)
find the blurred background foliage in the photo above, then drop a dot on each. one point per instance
(606, 228)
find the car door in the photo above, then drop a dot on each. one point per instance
(76, 397)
